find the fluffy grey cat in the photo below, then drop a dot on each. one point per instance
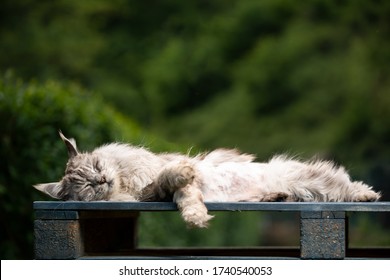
(120, 172)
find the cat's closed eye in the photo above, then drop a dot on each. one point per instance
(97, 166)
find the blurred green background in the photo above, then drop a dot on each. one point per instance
(305, 78)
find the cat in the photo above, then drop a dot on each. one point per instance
(121, 172)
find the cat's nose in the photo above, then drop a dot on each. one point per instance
(100, 179)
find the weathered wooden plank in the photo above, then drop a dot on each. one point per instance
(322, 215)
(56, 215)
(203, 253)
(82, 214)
(217, 206)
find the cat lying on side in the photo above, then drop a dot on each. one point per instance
(120, 172)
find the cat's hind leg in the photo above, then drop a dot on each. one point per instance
(361, 192)
(276, 197)
(269, 197)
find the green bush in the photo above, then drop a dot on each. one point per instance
(31, 151)
(268, 77)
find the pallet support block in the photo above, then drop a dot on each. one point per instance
(73, 234)
(323, 235)
(58, 238)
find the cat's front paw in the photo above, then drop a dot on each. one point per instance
(177, 177)
(196, 216)
(190, 203)
(185, 176)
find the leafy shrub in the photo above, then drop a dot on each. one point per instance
(31, 151)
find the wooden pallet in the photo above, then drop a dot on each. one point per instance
(74, 230)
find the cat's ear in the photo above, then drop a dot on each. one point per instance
(55, 190)
(70, 145)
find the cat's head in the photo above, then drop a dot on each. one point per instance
(87, 177)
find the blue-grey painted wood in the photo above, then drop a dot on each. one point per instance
(217, 206)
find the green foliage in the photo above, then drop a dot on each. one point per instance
(31, 151)
(366, 231)
(270, 76)
(226, 229)
(254, 74)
